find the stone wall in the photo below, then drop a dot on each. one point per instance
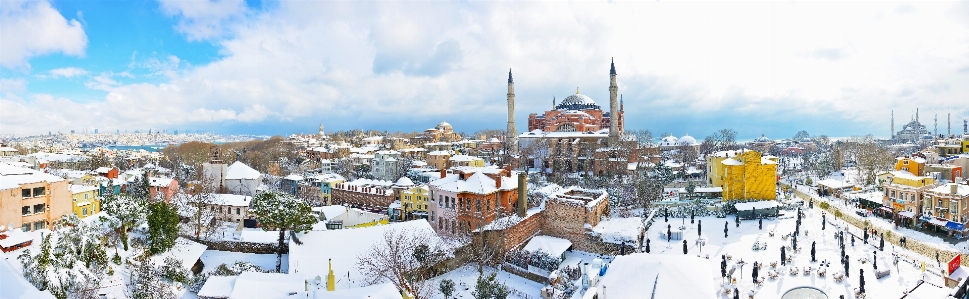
(566, 219)
(247, 247)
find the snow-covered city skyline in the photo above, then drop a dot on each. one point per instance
(267, 67)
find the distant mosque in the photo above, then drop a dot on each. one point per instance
(912, 132)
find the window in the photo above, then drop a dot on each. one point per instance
(477, 206)
(40, 225)
(39, 208)
(25, 210)
(84, 212)
(25, 193)
(85, 195)
(237, 211)
(39, 191)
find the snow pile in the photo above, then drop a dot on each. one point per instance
(185, 251)
(14, 284)
(619, 230)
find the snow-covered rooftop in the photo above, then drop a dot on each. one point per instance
(961, 190)
(760, 205)
(551, 245)
(478, 183)
(633, 276)
(12, 176)
(343, 246)
(185, 250)
(267, 285)
(239, 171)
(14, 285)
(331, 212)
(836, 184)
(619, 230)
(160, 182)
(218, 287)
(232, 200)
(75, 189)
(377, 291)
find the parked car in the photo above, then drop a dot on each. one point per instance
(863, 212)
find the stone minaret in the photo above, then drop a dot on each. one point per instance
(511, 135)
(948, 120)
(321, 130)
(936, 125)
(893, 125)
(613, 104)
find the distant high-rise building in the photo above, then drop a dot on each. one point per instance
(72, 131)
(95, 131)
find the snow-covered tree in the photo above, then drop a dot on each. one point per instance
(128, 210)
(393, 260)
(146, 282)
(488, 287)
(281, 211)
(71, 263)
(162, 227)
(194, 203)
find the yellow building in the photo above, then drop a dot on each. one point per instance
(715, 166)
(414, 200)
(965, 144)
(86, 200)
(748, 175)
(465, 160)
(915, 165)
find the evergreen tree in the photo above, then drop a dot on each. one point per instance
(281, 211)
(447, 288)
(162, 227)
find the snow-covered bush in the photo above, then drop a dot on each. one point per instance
(172, 270)
(519, 258)
(543, 260)
(235, 269)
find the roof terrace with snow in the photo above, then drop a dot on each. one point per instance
(587, 197)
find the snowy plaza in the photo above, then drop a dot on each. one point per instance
(801, 271)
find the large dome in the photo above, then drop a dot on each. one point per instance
(577, 101)
(686, 140)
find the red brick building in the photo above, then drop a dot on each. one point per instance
(577, 113)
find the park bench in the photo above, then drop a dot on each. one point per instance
(838, 277)
(881, 273)
(807, 271)
(822, 271)
(794, 271)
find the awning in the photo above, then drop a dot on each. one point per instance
(907, 214)
(938, 222)
(954, 225)
(885, 209)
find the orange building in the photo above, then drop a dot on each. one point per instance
(914, 165)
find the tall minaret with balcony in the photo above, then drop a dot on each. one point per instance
(511, 135)
(613, 104)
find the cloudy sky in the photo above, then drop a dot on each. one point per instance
(281, 67)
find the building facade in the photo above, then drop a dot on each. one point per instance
(371, 195)
(32, 200)
(469, 198)
(86, 199)
(384, 165)
(748, 176)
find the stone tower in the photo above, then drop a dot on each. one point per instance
(613, 104)
(321, 130)
(511, 134)
(893, 125)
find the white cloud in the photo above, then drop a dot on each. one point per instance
(203, 19)
(33, 28)
(67, 72)
(12, 86)
(389, 65)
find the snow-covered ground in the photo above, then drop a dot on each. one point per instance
(739, 244)
(466, 277)
(214, 258)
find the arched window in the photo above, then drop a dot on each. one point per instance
(566, 127)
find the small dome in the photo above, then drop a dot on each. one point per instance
(668, 141)
(762, 138)
(686, 140)
(403, 182)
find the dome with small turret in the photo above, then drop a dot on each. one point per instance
(686, 141)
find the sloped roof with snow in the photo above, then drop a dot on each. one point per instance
(15, 286)
(185, 250)
(404, 181)
(961, 190)
(12, 177)
(343, 246)
(477, 183)
(218, 287)
(267, 285)
(160, 182)
(551, 245)
(676, 276)
(75, 189)
(240, 171)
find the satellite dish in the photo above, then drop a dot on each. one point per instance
(3, 228)
(10, 225)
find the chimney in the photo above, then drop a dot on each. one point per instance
(498, 182)
(954, 189)
(522, 194)
(443, 173)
